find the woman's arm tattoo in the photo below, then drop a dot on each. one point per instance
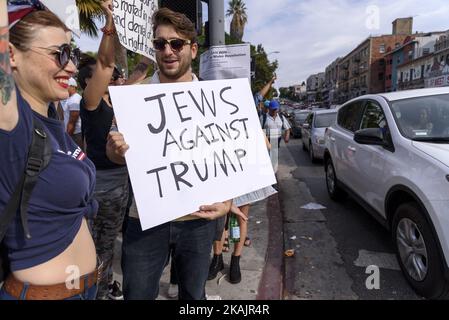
(6, 79)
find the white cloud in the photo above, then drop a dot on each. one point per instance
(310, 34)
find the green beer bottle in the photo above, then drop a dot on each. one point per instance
(234, 229)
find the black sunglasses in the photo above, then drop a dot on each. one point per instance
(175, 44)
(65, 53)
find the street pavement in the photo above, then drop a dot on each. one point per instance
(316, 270)
(336, 243)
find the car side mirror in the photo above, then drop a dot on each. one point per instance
(370, 136)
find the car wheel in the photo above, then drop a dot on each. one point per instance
(334, 191)
(418, 253)
(311, 155)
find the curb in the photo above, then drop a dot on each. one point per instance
(271, 283)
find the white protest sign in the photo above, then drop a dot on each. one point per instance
(132, 19)
(191, 144)
(226, 62)
(67, 11)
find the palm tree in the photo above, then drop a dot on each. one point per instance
(237, 9)
(90, 10)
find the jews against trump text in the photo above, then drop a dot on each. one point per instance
(191, 144)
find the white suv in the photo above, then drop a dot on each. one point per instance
(391, 153)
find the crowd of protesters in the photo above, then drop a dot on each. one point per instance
(83, 200)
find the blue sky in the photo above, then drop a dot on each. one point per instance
(310, 34)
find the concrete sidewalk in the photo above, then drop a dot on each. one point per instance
(260, 263)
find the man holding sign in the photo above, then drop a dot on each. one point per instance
(145, 253)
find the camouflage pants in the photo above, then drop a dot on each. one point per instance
(111, 192)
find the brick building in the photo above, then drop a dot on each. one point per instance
(362, 71)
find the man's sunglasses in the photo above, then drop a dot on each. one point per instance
(64, 54)
(175, 44)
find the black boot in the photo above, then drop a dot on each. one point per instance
(215, 266)
(234, 270)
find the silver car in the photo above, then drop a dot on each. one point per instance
(312, 131)
(390, 152)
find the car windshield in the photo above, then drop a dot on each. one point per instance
(301, 116)
(423, 118)
(325, 120)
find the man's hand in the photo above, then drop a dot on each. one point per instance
(116, 147)
(214, 211)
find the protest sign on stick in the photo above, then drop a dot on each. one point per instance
(132, 19)
(191, 144)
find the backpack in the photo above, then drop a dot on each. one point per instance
(39, 156)
(264, 120)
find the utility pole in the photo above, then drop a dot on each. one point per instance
(216, 22)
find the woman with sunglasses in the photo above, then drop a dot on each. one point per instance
(58, 259)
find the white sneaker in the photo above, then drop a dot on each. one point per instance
(172, 291)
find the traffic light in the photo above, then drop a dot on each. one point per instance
(191, 8)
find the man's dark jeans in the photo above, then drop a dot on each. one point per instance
(145, 255)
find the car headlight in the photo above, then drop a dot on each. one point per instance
(319, 140)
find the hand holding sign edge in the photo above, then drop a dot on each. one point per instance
(216, 210)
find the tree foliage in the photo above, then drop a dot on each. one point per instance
(264, 69)
(288, 93)
(89, 11)
(237, 9)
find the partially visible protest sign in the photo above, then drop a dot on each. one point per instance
(226, 62)
(67, 11)
(191, 144)
(132, 19)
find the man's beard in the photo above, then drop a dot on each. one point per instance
(184, 68)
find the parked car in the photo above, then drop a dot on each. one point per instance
(298, 119)
(312, 132)
(391, 153)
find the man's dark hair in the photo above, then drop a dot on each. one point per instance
(86, 69)
(179, 21)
